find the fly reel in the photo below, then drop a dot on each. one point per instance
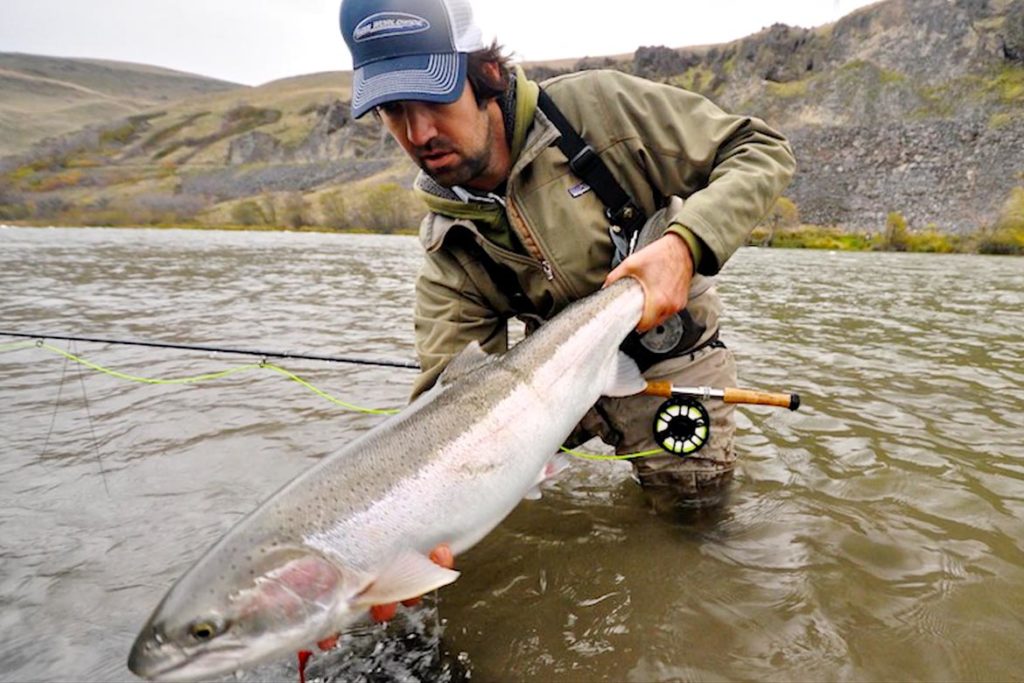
(682, 426)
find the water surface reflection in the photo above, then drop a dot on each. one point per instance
(875, 534)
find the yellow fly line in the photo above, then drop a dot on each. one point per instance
(195, 379)
(206, 377)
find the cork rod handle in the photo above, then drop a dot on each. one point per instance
(733, 395)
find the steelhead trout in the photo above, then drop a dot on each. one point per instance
(356, 529)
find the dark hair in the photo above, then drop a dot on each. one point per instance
(485, 87)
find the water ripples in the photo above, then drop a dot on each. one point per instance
(874, 534)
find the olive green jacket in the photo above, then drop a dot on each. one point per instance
(660, 142)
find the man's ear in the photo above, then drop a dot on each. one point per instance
(492, 71)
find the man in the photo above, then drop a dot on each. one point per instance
(512, 231)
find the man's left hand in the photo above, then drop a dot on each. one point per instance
(664, 269)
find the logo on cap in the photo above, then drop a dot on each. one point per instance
(386, 24)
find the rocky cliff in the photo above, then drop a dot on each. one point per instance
(914, 106)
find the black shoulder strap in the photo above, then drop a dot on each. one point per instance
(620, 208)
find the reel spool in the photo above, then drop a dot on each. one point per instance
(682, 426)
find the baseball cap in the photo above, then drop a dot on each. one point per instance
(408, 49)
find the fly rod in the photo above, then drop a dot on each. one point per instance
(216, 349)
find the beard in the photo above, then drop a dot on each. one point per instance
(466, 166)
(460, 172)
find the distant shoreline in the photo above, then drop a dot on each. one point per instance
(809, 237)
(210, 227)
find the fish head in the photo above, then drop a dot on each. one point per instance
(224, 615)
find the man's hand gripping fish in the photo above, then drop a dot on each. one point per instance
(357, 529)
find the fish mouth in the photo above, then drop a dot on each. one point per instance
(179, 666)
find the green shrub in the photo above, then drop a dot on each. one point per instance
(13, 210)
(1007, 235)
(932, 240)
(1007, 83)
(56, 181)
(294, 211)
(783, 215)
(1011, 216)
(162, 135)
(334, 211)
(788, 90)
(819, 237)
(895, 236)
(1006, 242)
(387, 208)
(248, 212)
(119, 135)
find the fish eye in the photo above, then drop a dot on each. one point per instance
(205, 629)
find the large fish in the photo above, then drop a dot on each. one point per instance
(356, 529)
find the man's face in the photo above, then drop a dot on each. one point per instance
(454, 143)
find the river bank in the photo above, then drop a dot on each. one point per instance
(988, 241)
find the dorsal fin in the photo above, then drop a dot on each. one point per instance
(469, 359)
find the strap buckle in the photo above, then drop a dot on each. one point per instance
(584, 160)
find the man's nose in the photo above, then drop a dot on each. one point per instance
(419, 125)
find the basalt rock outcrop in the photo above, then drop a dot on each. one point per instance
(915, 106)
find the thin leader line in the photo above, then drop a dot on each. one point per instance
(92, 432)
(56, 407)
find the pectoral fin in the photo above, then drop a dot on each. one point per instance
(410, 575)
(624, 378)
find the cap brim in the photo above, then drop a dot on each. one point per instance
(424, 78)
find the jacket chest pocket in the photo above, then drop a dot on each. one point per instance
(570, 224)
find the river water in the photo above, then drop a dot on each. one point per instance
(875, 534)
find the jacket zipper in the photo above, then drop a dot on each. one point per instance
(531, 243)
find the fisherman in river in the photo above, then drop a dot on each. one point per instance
(540, 194)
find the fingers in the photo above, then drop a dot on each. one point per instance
(664, 269)
(442, 555)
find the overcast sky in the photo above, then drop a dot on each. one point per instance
(255, 41)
